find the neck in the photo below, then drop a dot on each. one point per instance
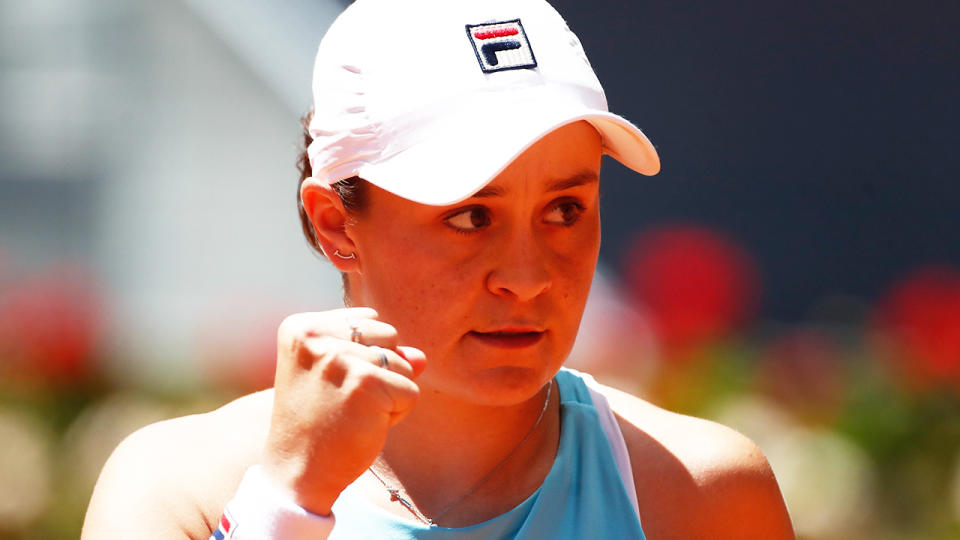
(463, 430)
(464, 442)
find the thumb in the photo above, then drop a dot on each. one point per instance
(416, 358)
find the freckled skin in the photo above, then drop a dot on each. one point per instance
(435, 284)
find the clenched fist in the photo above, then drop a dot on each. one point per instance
(342, 381)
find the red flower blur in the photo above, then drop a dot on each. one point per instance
(50, 326)
(920, 320)
(696, 285)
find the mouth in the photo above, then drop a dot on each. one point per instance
(509, 339)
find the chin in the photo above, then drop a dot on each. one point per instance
(508, 385)
(479, 373)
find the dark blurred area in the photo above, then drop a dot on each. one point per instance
(821, 135)
(793, 271)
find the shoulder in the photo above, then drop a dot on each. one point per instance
(172, 479)
(696, 478)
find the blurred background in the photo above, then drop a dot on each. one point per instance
(793, 272)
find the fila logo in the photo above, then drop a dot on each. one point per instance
(501, 45)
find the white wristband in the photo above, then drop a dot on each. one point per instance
(262, 511)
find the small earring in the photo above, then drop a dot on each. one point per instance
(342, 256)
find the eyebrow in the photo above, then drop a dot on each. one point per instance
(579, 179)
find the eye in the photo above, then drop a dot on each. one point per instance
(469, 220)
(565, 213)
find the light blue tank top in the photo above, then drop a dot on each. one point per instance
(581, 497)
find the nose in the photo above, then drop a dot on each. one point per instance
(520, 269)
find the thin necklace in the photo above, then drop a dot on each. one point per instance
(395, 492)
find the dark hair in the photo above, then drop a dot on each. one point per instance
(352, 191)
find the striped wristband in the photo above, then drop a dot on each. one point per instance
(261, 511)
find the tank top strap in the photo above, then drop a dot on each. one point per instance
(609, 424)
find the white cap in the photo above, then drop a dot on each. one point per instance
(431, 99)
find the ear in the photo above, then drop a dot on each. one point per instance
(329, 218)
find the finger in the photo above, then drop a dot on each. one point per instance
(390, 361)
(415, 357)
(371, 333)
(403, 394)
(355, 352)
(393, 394)
(322, 323)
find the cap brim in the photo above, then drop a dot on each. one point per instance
(458, 156)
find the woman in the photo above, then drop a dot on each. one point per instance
(452, 176)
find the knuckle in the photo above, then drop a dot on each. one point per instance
(298, 326)
(321, 349)
(310, 351)
(400, 365)
(288, 328)
(368, 381)
(323, 344)
(333, 369)
(295, 329)
(360, 390)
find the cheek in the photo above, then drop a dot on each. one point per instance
(573, 275)
(420, 285)
(577, 256)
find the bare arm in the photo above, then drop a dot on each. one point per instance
(172, 479)
(698, 479)
(139, 492)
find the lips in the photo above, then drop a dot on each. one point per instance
(509, 338)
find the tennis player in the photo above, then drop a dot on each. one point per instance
(452, 175)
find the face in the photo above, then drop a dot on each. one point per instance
(492, 288)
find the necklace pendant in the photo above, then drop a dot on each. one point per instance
(395, 492)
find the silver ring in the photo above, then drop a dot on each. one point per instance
(355, 334)
(384, 361)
